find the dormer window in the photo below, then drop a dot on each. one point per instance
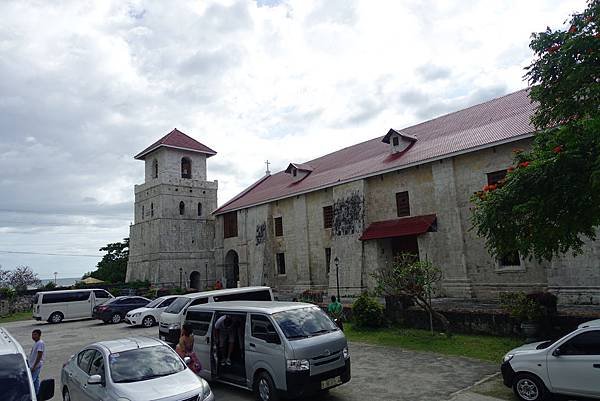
(298, 171)
(398, 140)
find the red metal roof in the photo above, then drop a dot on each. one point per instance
(399, 227)
(497, 121)
(177, 140)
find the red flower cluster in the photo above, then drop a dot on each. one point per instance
(510, 169)
(523, 164)
(558, 149)
(572, 29)
(490, 187)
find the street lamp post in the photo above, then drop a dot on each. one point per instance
(337, 276)
(55, 274)
(180, 277)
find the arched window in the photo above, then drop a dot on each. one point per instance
(186, 168)
(152, 210)
(155, 169)
(181, 208)
(142, 212)
(199, 209)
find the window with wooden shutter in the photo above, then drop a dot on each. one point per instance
(279, 226)
(280, 257)
(495, 177)
(328, 217)
(230, 225)
(402, 204)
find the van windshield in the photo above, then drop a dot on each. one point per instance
(177, 306)
(14, 381)
(303, 323)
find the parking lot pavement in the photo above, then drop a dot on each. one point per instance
(378, 373)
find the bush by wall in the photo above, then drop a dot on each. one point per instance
(367, 311)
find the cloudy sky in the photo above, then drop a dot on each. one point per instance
(86, 85)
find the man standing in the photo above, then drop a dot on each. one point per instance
(36, 358)
(225, 337)
(336, 311)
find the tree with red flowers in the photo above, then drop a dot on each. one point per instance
(549, 202)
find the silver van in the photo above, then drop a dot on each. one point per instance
(171, 319)
(54, 306)
(289, 349)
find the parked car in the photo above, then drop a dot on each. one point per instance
(114, 310)
(149, 315)
(169, 328)
(15, 377)
(569, 366)
(54, 306)
(290, 349)
(134, 369)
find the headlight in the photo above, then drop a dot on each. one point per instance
(174, 326)
(346, 353)
(296, 365)
(507, 357)
(137, 314)
(205, 391)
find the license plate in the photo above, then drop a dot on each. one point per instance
(331, 382)
(162, 337)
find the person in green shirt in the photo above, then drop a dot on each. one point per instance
(336, 311)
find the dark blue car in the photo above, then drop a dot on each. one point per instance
(115, 309)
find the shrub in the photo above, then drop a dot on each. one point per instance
(367, 311)
(7, 293)
(521, 306)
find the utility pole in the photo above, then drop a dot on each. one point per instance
(337, 276)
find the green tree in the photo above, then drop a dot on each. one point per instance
(113, 266)
(22, 277)
(549, 202)
(409, 277)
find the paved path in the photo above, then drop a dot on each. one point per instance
(378, 373)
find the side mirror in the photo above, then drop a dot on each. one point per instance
(94, 379)
(46, 390)
(556, 352)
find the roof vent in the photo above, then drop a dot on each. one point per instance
(298, 171)
(399, 141)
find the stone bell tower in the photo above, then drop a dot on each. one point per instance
(172, 238)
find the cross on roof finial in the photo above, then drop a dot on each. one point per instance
(267, 172)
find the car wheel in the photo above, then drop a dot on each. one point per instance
(116, 318)
(56, 317)
(66, 395)
(528, 387)
(148, 321)
(265, 388)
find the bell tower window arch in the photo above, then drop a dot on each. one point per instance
(181, 208)
(186, 168)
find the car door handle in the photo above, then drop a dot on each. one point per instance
(596, 365)
(252, 345)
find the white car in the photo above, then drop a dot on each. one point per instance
(149, 315)
(569, 366)
(131, 369)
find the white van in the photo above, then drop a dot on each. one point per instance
(289, 349)
(54, 306)
(171, 319)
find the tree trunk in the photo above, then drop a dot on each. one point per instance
(425, 305)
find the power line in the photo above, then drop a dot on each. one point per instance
(52, 254)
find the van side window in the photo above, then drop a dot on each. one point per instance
(56, 297)
(199, 301)
(101, 294)
(262, 295)
(261, 327)
(81, 296)
(200, 321)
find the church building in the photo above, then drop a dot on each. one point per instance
(332, 221)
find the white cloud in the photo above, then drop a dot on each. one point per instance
(86, 85)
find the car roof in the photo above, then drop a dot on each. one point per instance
(224, 291)
(267, 307)
(129, 343)
(591, 323)
(8, 345)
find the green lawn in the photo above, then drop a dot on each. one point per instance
(487, 348)
(16, 316)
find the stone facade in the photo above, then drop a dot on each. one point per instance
(172, 238)
(442, 187)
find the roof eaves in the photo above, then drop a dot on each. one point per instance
(141, 155)
(238, 196)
